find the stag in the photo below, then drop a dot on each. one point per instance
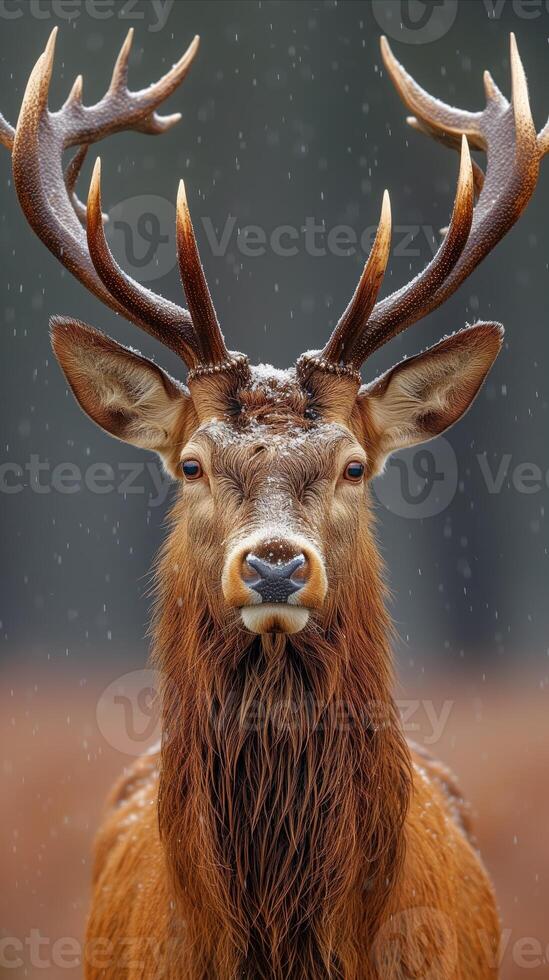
(284, 828)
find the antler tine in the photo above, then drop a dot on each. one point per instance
(47, 194)
(527, 157)
(397, 311)
(352, 321)
(119, 76)
(75, 124)
(202, 310)
(166, 321)
(506, 132)
(119, 108)
(151, 97)
(432, 113)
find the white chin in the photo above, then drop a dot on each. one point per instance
(274, 618)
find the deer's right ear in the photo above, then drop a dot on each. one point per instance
(124, 393)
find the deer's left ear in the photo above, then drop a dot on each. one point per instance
(424, 395)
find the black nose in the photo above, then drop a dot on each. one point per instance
(273, 581)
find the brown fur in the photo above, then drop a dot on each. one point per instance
(285, 830)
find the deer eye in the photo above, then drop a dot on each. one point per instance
(191, 469)
(354, 471)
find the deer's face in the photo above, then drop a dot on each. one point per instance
(271, 511)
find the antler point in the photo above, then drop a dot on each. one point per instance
(49, 50)
(514, 51)
(75, 94)
(166, 122)
(181, 194)
(94, 195)
(128, 41)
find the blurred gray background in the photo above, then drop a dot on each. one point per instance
(291, 129)
(288, 119)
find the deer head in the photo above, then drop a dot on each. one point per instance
(273, 511)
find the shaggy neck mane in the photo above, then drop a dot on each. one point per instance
(283, 789)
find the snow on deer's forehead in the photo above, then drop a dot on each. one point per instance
(275, 409)
(290, 434)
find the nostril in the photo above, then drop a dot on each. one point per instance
(274, 581)
(302, 572)
(248, 572)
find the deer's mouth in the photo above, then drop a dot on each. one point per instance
(274, 617)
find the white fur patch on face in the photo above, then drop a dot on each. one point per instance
(274, 618)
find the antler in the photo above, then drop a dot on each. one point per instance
(505, 132)
(59, 219)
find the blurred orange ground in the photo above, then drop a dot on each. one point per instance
(57, 768)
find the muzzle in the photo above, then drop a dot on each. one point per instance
(275, 582)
